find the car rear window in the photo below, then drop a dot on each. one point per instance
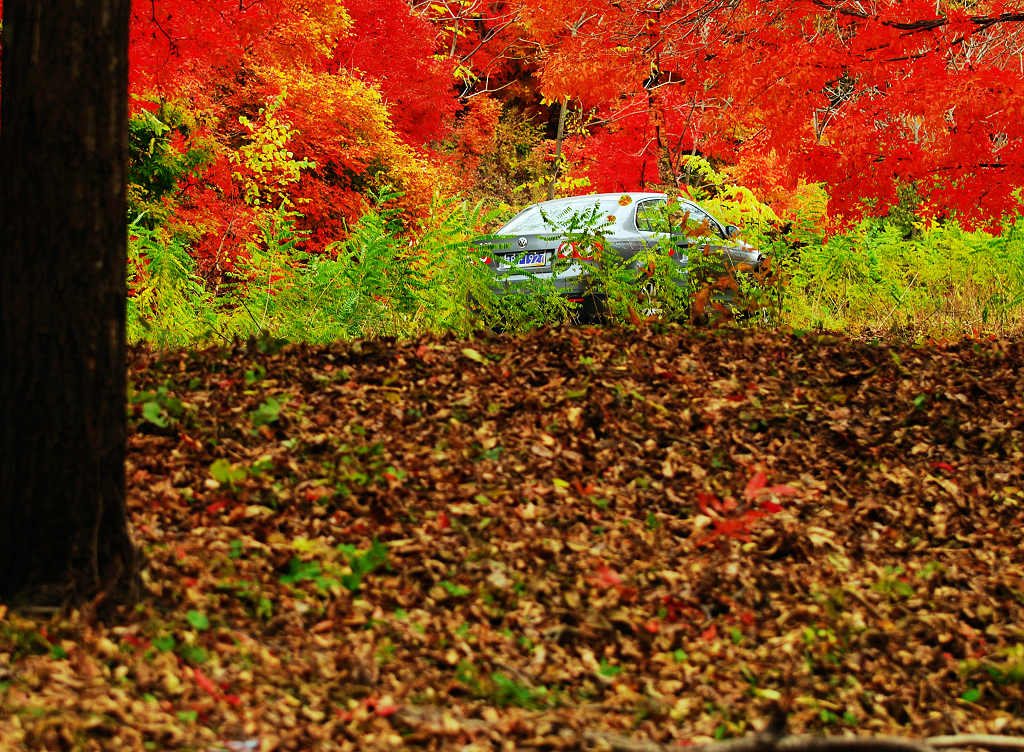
(540, 218)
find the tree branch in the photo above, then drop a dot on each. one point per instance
(925, 24)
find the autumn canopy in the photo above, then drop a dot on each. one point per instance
(239, 107)
(318, 102)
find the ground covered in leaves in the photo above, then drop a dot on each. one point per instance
(568, 540)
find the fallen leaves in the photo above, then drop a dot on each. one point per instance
(545, 540)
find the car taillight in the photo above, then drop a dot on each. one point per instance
(573, 250)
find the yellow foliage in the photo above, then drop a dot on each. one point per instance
(271, 166)
(731, 202)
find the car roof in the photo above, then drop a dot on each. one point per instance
(634, 195)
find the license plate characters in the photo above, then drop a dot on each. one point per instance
(531, 258)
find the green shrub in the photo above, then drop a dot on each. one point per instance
(946, 281)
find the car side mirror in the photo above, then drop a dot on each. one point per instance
(732, 231)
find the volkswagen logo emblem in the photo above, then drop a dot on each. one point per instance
(522, 242)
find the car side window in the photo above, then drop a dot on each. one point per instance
(696, 223)
(650, 215)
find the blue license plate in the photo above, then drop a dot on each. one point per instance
(536, 258)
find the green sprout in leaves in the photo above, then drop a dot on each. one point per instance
(198, 620)
(893, 584)
(227, 474)
(267, 413)
(453, 589)
(362, 562)
(164, 643)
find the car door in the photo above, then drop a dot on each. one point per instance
(653, 228)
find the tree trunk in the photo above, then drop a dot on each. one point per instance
(63, 140)
(559, 138)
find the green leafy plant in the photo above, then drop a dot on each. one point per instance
(362, 562)
(158, 407)
(222, 471)
(454, 589)
(198, 620)
(268, 412)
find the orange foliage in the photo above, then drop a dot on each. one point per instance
(229, 62)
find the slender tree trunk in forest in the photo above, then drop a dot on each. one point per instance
(63, 140)
(667, 174)
(559, 138)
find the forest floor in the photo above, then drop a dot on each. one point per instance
(573, 539)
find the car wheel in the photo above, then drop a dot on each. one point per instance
(592, 309)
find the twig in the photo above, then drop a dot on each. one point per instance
(810, 743)
(765, 741)
(992, 742)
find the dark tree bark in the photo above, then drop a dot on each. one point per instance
(63, 140)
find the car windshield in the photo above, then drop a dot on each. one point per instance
(574, 215)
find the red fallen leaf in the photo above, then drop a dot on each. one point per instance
(733, 528)
(747, 617)
(189, 581)
(674, 608)
(755, 486)
(710, 633)
(727, 504)
(770, 507)
(315, 493)
(205, 683)
(583, 490)
(652, 626)
(135, 641)
(385, 710)
(217, 506)
(443, 523)
(704, 499)
(628, 593)
(607, 576)
(345, 715)
(233, 700)
(942, 466)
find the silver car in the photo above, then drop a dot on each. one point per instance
(563, 242)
